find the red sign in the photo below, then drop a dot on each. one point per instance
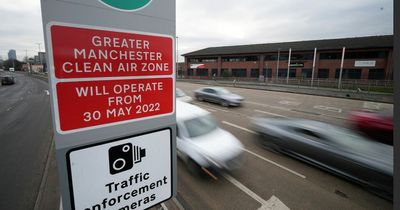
(91, 103)
(84, 53)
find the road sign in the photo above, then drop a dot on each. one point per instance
(112, 85)
(129, 173)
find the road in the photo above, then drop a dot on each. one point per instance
(270, 179)
(25, 137)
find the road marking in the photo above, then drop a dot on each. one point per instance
(272, 204)
(211, 110)
(178, 204)
(261, 157)
(47, 92)
(275, 204)
(266, 105)
(290, 103)
(276, 164)
(240, 127)
(164, 206)
(327, 108)
(270, 113)
(371, 105)
(210, 107)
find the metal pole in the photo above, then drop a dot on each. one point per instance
(313, 67)
(177, 58)
(277, 64)
(40, 58)
(288, 66)
(341, 69)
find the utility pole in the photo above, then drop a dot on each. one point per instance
(288, 66)
(177, 58)
(40, 58)
(341, 69)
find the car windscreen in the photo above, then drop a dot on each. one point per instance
(200, 125)
(222, 91)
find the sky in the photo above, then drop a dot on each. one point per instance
(210, 23)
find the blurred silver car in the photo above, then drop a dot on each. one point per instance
(180, 95)
(201, 144)
(218, 95)
(332, 148)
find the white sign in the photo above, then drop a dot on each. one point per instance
(132, 173)
(196, 66)
(364, 63)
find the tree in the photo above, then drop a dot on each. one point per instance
(11, 63)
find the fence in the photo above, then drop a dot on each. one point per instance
(349, 84)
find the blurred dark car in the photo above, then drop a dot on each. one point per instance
(376, 125)
(7, 80)
(218, 95)
(331, 148)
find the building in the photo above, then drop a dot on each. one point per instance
(365, 58)
(12, 55)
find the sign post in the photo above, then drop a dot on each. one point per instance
(112, 85)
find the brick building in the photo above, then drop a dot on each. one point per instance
(365, 58)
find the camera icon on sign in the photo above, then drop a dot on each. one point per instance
(122, 157)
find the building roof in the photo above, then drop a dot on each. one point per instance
(385, 41)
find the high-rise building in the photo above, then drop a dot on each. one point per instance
(12, 55)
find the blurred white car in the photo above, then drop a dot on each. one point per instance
(201, 144)
(181, 96)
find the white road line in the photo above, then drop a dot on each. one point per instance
(211, 107)
(290, 103)
(47, 92)
(240, 127)
(211, 110)
(261, 157)
(164, 206)
(327, 108)
(276, 164)
(244, 188)
(178, 204)
(270, 113)
(272, 204)
(266, 105)
(275, 204)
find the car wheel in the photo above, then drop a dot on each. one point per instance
(224, 103)
(199, 98)
(193, 167)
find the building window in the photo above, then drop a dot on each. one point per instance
(349, 73)
(273, 57)
(202, 72)
(255, 73)
(283, 73)
(376, 74)
(323, 73)
(203, 60)
(267, 73)
(240, 58)
(301, 57)
(239, 73)
(366, 55)
(306, 73)
(190, 72)
(330, 56)
(225, 73)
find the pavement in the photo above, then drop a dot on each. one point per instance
(330, 92)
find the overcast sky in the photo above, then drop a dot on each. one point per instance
(209, 23)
